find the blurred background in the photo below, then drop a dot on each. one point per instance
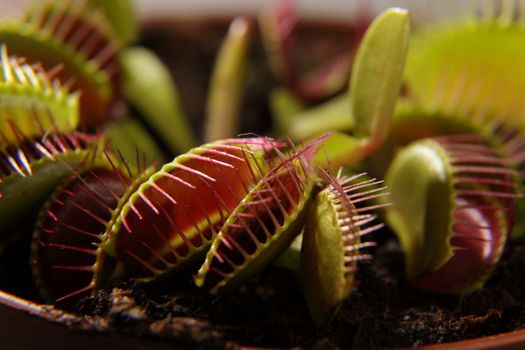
(341, 9)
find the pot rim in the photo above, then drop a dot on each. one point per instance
(31, 315)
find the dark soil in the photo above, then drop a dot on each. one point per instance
(270, 310)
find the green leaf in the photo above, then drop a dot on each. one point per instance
(264, 224)
(285, 106)
(227, 83)
(377, 74)
(333, 115)
(122, 17)
(148, 85)
(338, 150)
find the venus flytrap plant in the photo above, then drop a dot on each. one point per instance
(374, 88)
(71, 226)
(31, 101)
(30, 169)
(332, 241)
(458, 72)
(461, 67)
(453, 198)
(78, 38)
(264, 223)
(439, 106)
(232, 206)
(184, 204)
(172, 217)
(37, 141)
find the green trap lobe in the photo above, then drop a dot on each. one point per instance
(467, 68)
(79, 40)
(332, 241)
(377, 74)
(452, 197)
(177, 212)
(263, 225)
(32, 103)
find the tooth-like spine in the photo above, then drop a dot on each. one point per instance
(264, 222)
(188, 199)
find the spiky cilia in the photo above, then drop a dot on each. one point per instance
(332, 241)
(69, 231)
(461, 67)
(32, 102)
(31, 168)
(172, 218)
(453, 198)
(77, 37)
(72, 224)
(264, 223)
